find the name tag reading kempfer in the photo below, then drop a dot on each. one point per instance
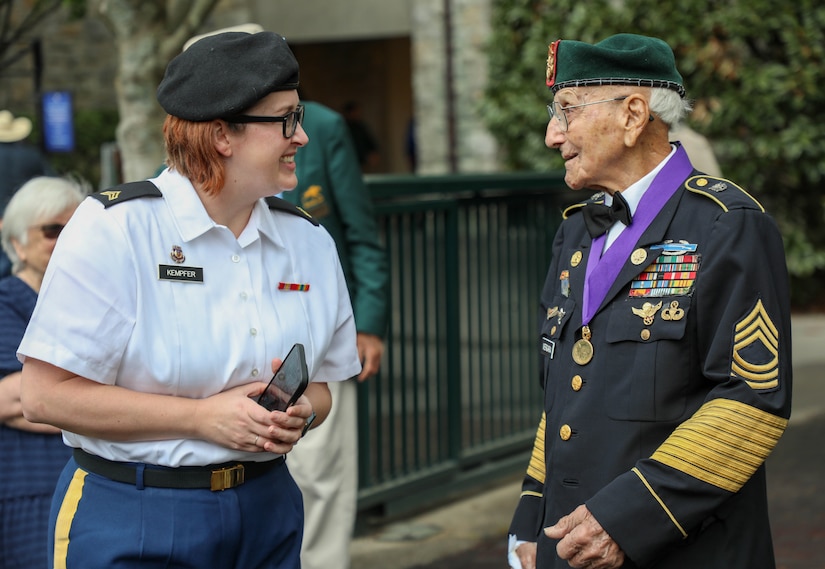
(179, 273)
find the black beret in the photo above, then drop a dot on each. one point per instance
(224, 74)
(622, 59)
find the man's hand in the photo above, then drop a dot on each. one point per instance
(583, 541)
(370, 350)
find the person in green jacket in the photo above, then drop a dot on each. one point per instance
(325, 464)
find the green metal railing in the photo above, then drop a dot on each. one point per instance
(457, 400)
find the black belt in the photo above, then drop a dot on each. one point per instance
(213, 476)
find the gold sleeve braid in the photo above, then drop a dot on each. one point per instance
(723, 443)
(537, 468)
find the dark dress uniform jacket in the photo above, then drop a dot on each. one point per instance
(331, 189)
(664, 433)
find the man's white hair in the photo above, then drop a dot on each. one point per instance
(669, 106)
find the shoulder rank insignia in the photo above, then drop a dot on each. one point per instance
(756, 350)
(283, 205)
(724, 192)
(126, 192)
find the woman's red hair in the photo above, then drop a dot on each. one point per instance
(190, 149)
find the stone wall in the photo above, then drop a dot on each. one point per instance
(77, 56)
(451, 138)
(80, 56)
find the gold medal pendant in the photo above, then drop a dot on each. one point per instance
(583, 349)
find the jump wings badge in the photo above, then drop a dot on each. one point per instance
(647, 312)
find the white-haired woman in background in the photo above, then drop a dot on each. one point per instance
(33, 454)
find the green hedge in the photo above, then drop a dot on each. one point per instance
(754, 71)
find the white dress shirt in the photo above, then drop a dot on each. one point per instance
(105, 314)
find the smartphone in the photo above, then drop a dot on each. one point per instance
(288, 383)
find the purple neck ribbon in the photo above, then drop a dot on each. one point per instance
(602, 270)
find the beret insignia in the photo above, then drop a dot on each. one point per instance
(552, 49)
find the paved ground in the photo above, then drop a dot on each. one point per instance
(472, 533)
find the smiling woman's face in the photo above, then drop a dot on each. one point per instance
(261, 155)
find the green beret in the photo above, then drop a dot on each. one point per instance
(623, 59)
(224, 74)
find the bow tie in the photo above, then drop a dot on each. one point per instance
(599, 218)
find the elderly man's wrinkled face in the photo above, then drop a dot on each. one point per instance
(592, 146)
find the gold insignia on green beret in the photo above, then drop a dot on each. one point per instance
(551, 62)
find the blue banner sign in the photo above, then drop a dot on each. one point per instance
(58, 121)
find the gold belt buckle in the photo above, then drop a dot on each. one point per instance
(228, 477)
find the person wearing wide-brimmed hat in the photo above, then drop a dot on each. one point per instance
(186, 292)
(664, 337)
(19, 162)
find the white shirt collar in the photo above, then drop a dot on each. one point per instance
(192, 219)
(633, 195)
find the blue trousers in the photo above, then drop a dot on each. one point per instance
(96, 523)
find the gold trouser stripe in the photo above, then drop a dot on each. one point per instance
(537, 468)
(68, 509)
(661, 502)
(723, 443)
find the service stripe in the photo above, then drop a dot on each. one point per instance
(723, 443)
(537, 468)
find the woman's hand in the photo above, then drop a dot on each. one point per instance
(231, 418)
(11, 411)
(234, 419)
